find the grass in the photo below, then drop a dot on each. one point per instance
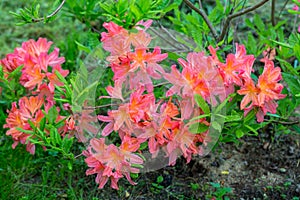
(42, 176)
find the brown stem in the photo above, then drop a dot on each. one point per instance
(232, 16)
(205, 17)
(273, 13)
(283, 7)
(95, 107)
(285, 123)
(52, 14)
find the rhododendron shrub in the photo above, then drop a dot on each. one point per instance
(167, 123)
(37, 112)
(181, 116)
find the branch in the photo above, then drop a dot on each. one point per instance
(283, 7)
(52, 14)
(232, 16)
(95, 107)
(273, 13)
(284, 122)
(200, 5)
(204, 16)
(171, 36)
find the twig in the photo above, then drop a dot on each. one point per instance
(159, 35)
(205, 17)
(52, 14)
(78, 156)
(285, 123)
(283, 7)
(273, 13)
(95, 107)
(232, 16)
(96, 30)
(200, 5)
(171, 36)
(160, 84)
(295, 22)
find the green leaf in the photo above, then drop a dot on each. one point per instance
(223, 104)
(159, 179)
(249, 116)
(143, 146)
(259, 23)
(42, 123)
(134, 176)
(289, 67)
(198, 128)
(215, 185)
(293, 83)
(83, 48)
(216, 126)
(70, 165)
(67, 144)
(233, 118)
(55, 136)
(42, 134)
(83, 95)
(31, 124)
(239, 133)
(282, 44)
(249, 23)
(202, 103)
(52, 115)
(60, 77)
(294, 12)
(25, 131)
(200, 117)
(251, 129)
(297, 51)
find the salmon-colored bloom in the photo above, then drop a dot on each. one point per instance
(140, 104)
(182, 144)
(110, 162)
(268, 84)
(116, 119)
(36, 60)
(262, 95)
(198, 76)
(251, 94)
(29, 109)
(11, 62)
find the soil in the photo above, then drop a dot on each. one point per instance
(261, 167)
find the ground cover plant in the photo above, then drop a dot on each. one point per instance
(170, 95)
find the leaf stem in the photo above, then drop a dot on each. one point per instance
(52, 14)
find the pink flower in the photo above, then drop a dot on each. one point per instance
(29, 109)
(110, 162)
(295, 7)
(262, 95)
(10, 63)
(36, 60)
(113, 29)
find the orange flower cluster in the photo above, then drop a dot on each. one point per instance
(29, 109)
(38, 76)
(166, 125)
(237, 72)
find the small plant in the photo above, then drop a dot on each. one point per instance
(219, 192)
(156, 186)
